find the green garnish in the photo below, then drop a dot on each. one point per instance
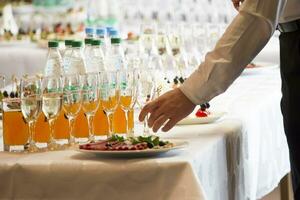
(116, 138)
(152, 141)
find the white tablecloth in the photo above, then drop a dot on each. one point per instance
(262, 152)
(20, 60)
(69, 174)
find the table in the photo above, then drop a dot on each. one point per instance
(262, 152)
(243, 156)
(69, 174)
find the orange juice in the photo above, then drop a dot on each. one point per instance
(81, 126)
(42, 131)
(90, 106)
(100, 123)
(119, 121)
(125, 101)
(61, 127)
(110, 104)
(15, 129)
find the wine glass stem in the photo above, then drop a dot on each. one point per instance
(110, 123)
(71, 125)
(127, 123)
(51, 125)
(146, 128)
(31, 131)
(90, 119)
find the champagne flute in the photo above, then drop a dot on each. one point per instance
(146, 92)
(90, 99)
(128, 93)
(52, 104)
(72, 101)
(31, 104)
(109, 95)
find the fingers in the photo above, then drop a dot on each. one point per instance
(171, 123)
(148, 108)
(154, 115)
(236, 4)
(159, 122)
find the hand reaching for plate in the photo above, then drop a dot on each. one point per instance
(170, 107)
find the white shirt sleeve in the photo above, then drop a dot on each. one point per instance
(242, 41)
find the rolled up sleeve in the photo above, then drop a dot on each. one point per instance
(242, 41)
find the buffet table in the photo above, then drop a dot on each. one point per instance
(72, 175)
(242, 156)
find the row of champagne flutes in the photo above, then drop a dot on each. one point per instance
(109, 89)
(176, 49)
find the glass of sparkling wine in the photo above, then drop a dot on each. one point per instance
(90, 99)
(109, 95)
(146, 92)
(128, 93)
(72, 101)
(31, 105)
(52, 104)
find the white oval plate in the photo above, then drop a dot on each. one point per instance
(192, 119)
(178, 145)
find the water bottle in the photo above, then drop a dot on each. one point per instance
(112, 33)
(67, 55)
(116, 58)
(87, 47)
(54, 60)
(101, 35)
(77, 63)
(95, 60)
(89, 32)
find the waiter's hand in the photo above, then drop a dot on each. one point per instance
(170, 107)
(237, 3)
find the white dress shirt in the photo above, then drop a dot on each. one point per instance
(248, 33)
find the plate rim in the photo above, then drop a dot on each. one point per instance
(214, 117)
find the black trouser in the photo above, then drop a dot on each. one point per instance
(290, 103)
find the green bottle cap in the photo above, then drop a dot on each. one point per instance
(52, 44)
(115, 40)
(68, 42)
(96, 42)
(88, 41)
(77, 44)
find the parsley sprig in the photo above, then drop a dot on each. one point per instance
(152, 141)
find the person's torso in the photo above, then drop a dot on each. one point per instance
(291, 11)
